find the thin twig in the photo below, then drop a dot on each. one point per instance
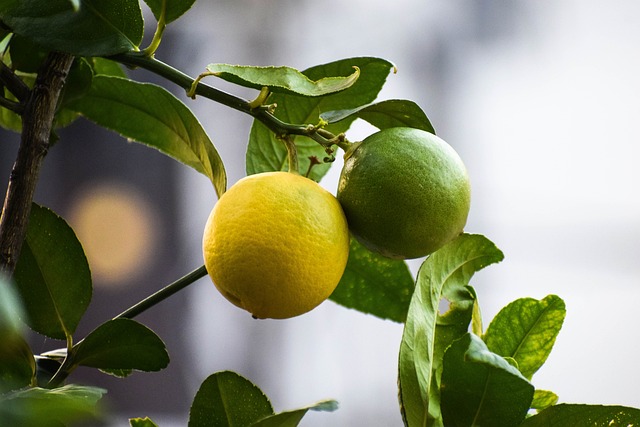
(14, 83)
(16, 107)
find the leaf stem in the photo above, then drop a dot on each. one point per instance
(292, 153)
(163, 293)
(157, 36)
(16, 107)
(14, 83)
(65, 368)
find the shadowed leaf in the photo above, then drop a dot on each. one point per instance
(95, 28)
(385, 114)
(52, 275)
(374, 284)
(121, 344)
(481, 388)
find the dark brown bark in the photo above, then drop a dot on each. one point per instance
(37, 121)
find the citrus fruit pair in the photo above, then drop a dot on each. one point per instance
(405, 192)
(276, 244)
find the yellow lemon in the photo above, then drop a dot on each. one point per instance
(276, 244)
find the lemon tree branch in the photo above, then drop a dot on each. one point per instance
(37, 120)
(196, 87)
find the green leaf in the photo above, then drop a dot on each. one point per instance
(26, 56)
(175, 8)
(266, 153)
(282, 79)
(526, 330)
(37, 407)
(481, 388)
(292, 418)
(17, 364)
(142, 422)
(445, 273)
(151, 115)
(228, 399)
(542, 399)
(375, 284)
(52, 275)
(385, 114)
(575, 415)
(107, 67)
(121, 344)
(97, 28)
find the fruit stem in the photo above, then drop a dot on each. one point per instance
(163, 293)
(313, 161)
(292, 152)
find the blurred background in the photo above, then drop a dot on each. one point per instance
(540, 100)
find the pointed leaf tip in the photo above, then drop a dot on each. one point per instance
(526, 331)
(52, 275)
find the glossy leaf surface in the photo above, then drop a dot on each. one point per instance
(96, 28)
(52, 275)
(226, 399)
(121, 344)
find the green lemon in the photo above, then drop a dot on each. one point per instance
(405, 192)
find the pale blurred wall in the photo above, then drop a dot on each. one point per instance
(549, 130)
(540, 101)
